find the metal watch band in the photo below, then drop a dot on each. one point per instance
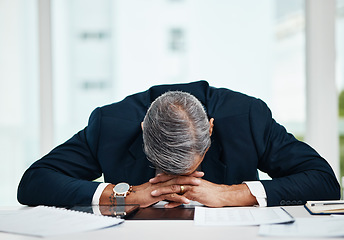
(120, 206)
(120, 200)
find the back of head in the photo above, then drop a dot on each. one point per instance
(175, 130)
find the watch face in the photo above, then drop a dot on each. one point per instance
(121, 188)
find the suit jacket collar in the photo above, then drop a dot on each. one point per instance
(144, 169)
(199, 89)
(213, 166)
(136, 148)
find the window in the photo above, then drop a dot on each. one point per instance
(19, 130)
(104, 50)
(340, 78)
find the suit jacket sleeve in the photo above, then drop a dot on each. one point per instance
(64, 176)
(298, 172)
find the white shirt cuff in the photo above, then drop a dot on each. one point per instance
(98, 193)
(257, 190)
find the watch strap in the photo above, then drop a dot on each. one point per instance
(120, 200)
(120, 206)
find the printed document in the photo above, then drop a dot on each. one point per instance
(49, 221)
(319, 226)
(240, 216)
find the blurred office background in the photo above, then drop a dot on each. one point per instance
(104, 50)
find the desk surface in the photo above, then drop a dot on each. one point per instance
(168, 229)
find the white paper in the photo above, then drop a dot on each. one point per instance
(237, 216)
(319, 226)
(48, 221)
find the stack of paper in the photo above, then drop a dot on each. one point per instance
(48, 221)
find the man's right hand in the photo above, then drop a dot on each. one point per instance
(141, 194)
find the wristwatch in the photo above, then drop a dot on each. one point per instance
(121, 190)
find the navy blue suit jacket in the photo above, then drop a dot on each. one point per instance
(245, 138)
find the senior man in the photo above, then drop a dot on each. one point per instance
(178, 143)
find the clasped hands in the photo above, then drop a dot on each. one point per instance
(179, 190)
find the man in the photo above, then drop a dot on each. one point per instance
(205, 143)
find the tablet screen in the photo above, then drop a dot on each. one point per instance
(122, 211)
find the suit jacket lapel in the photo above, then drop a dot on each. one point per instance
(212, 166)
(140, 169)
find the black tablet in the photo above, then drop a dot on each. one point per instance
(120, 211)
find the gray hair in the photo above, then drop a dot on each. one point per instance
(175, 131)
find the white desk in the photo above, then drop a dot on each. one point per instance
(165, 230)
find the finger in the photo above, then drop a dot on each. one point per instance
(162, 177)
(197, 174)
(172, 205)
(174, 179)
(176, 198)
(174, 188)
(185, 180)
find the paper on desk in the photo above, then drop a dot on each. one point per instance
(48, 221)
(236, 216)
(307, 227)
